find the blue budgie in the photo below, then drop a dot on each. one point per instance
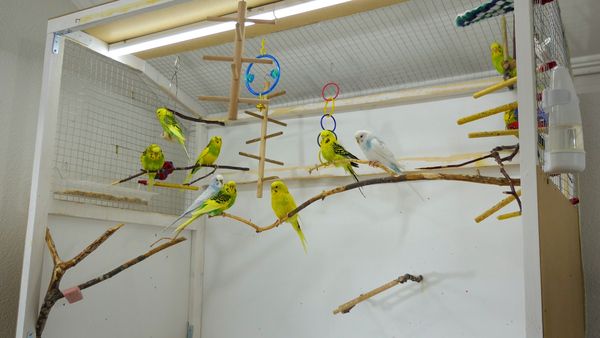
(376, 150)
(215, 185)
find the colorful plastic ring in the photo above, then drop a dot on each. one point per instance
(334, 122)
(337, 91)
(274, 73)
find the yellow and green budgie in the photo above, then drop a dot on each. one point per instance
(152, 160)
(332, 151)
(171, 127)
(214, 206)
(208, 156)
(498, 61)
(282, 203)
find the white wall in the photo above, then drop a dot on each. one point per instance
(263, 285)
(22, 38)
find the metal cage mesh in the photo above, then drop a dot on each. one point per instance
(106, 119)
(550, 46)
(406, 45)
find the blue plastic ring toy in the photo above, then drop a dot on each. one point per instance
(334, 122)
(274, 73)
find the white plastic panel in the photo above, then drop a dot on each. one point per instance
(147, 300)
(263, 285)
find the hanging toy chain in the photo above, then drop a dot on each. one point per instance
(271, 79)
(329, 110)
(263, 49)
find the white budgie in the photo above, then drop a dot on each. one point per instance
(216, 183)
(376, 150)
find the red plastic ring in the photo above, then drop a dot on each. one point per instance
(337, 91)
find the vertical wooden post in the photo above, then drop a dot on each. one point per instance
(262, 152)
(236, 66)
(504, 38)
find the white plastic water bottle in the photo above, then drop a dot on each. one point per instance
(564, 151)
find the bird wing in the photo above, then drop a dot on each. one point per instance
(200, 159)
(383, 154)
(339, 150)
(173, 126)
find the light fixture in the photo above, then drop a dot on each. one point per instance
(203, 29)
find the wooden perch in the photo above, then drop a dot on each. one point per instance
(214, 166)
(509, 215)
(239, 100)
(383, 180)
(258, 158)
(53, 294)
(497, 207)
(487, 113)
(230, 19)
(268, 119)
(197, 119)
(230, 59)
(254, 140)
(506, 83)
(346, 307)
(173, 185)
(494, 133)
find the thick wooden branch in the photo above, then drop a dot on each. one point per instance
(383, 180)
(346, 307)
(60, 268)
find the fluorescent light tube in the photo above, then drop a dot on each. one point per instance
(203, 29)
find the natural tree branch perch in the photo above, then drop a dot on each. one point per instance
(346, 307)
(383, 180)
(197, 119)
(60, 268)
(214, 166)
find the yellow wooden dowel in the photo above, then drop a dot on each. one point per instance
(496, 207)
(175, 186)
(489, 112)
(507, 83)
(509, 215)
(494, 133)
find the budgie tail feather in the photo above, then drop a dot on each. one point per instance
(351, 171)
(296, 226)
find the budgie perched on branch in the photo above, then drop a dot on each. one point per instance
(282, 203)
(215, 185)
(208, 156)
(171, 127)
(498, 61)
(332, 151)
(215, 205)
(376, 150)
(152, 160)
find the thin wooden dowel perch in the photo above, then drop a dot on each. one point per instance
(230, 19)
(493, 88)
(174, 186)
(246, 100)
(487, 113)
(197, 119)
(346, 307)
(230, 59)
(254, 140)
(509, 215)
(496, 207)
(276, 94)
(494, 133)
(53, 294)
(283, 124)
(258, 158)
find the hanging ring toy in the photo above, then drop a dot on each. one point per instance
(326, 87)
(274, 74)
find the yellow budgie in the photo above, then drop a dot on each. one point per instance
(171, 127)
(208, 156)
(498, 61)
(215, 205)
(332, 151)
(152, 159)
(282, 203)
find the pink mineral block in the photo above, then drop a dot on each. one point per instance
(73, 294)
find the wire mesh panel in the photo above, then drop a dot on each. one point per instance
(409, 44)
(106, 120)
(550, 49)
